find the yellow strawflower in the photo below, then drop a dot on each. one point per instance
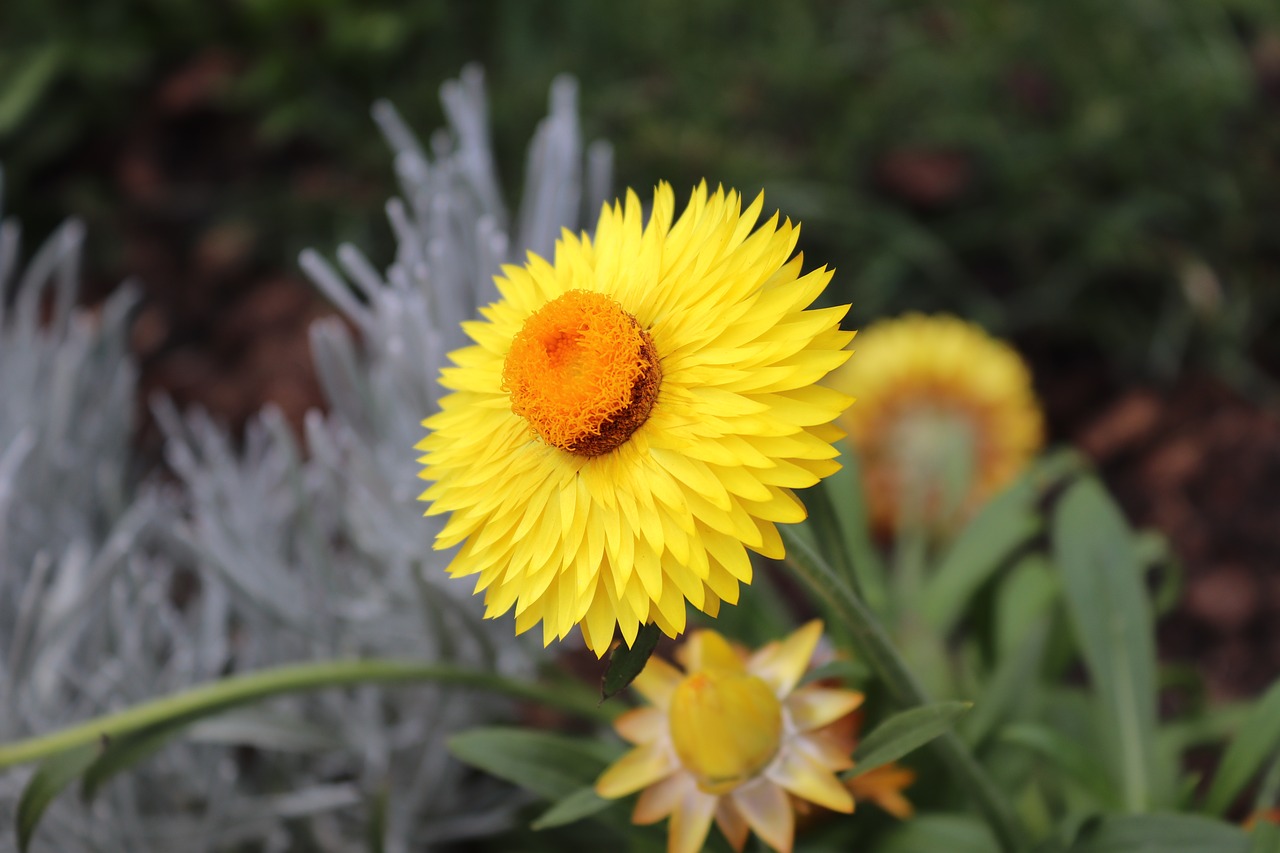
(634, 416)
(731, 739)
(946, 416)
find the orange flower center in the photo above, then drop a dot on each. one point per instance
(583, 373)
(726, 727)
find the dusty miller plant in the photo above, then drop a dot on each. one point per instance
(259, 552)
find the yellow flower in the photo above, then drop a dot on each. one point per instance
(732, 739)
(946, 417)
(635, 415)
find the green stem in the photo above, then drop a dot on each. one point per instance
(873, 644)
(236, 690)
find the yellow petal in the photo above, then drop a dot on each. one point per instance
(732, 823)
(767, 809)
(660, 799)
(814, 707)
(782, 664)
(657, 681)
(707, 649)
(811, 781)
(690, 822)
(639, 768)
(641, 725)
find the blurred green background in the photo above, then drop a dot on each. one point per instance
(1089, 176)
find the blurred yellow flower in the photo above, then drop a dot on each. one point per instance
(946, 416)
(732, 740)
(634, 416)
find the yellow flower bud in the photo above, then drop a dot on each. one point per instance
(726, 727)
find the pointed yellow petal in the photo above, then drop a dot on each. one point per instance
(657, 681)
(811, 781)
(707, 649)
(782, 664)
(690, 822)
(767, 809)
(814, 707)
(638, 769)
(641, 725)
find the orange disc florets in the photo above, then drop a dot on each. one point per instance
(583, 373)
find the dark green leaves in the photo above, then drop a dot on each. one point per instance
(626, 663)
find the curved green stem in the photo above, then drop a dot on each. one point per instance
(875, 647)
(218, 696)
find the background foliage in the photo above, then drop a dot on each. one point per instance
(1025, 165)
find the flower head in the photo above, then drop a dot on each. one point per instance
(946, 417)
(634, 416)
(732, 740)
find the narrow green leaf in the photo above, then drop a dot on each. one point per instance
(1160, 833)
(1256, 741)
(1111, 616)
(1007, 686)
(44, 787)
(1065, 754)
(1007, 523)
(126, 751)
(904, 732)
(247, 727)
(550, 765)
(625, 663)
(583, 802)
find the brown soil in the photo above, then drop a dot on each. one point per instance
(1200, 464)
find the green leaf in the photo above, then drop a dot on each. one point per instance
(1065, 754)
(583, 802)
(1006, 524)
(933, 833)
(625, 663)
(1256, 741)
(1160, 833)
(904, 732)
(126, 751)
(48, 782)
(550, 765)
(1008, 685)
(1108, 608)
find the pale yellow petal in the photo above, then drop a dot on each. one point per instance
(811, 781)
(814, 707)
(782, 664)
(638, 769)
(768, 811)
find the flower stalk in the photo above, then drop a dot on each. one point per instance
(222, 695)
(873, 644)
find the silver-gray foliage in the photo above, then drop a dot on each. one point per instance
(261, 553)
